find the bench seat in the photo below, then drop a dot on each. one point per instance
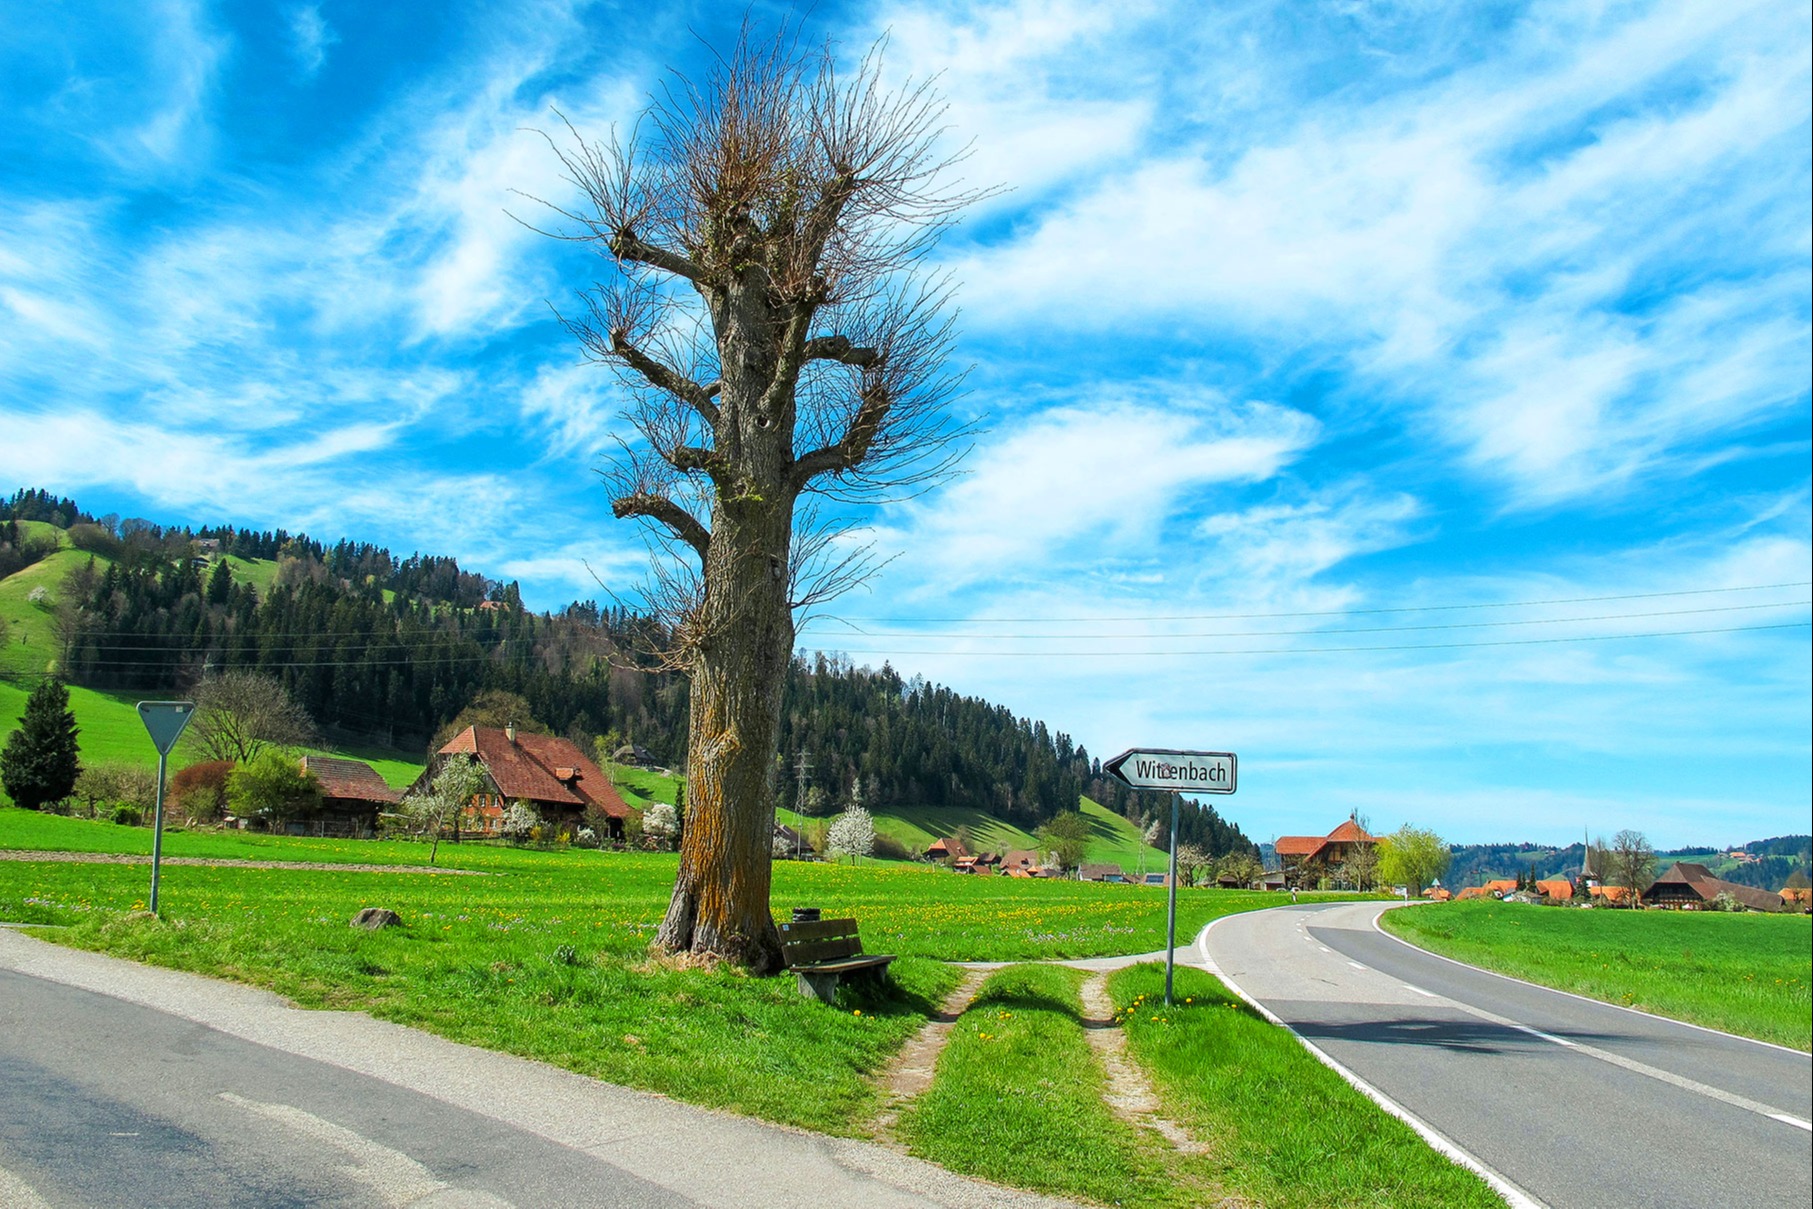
(821, 953)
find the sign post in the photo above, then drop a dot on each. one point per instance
(1179, 772)
(164, 721)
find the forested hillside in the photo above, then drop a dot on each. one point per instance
(388, 649)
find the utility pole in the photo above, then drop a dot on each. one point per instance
(803, 774)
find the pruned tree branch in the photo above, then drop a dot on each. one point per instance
(681, 523)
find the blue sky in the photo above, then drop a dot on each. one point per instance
(1299, 327)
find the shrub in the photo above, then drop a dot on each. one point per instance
(114, 783)
(660, 826)
(127, 816)
(890, 849)
(272, 787)
(200, 790)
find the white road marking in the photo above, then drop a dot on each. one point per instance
(1356, 965)
(1593, 1051)
(17, 1194)
(1794, 1121)
(397, 1179)
(1421, 991)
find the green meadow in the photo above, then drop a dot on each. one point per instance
(1742, 973)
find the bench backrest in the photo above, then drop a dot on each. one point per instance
(821, 940)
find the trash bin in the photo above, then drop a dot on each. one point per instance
(805, 915)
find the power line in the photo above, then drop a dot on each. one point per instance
(1508, 604)
(1453, 625)
(1314, 650)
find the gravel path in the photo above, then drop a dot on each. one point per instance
(138, 858)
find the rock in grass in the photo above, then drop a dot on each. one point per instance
(377, 917)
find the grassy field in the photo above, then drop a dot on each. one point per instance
(1745, 974)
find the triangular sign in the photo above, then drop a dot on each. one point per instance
(165, 720)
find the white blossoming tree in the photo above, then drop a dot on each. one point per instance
(852, 833)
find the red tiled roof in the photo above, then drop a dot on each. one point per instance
(1349, 832)
(530, 768)
(1611, 894)
(1501, 885)
(1556, 888)
(351, 779)
(1471, 892)
(1298, 845)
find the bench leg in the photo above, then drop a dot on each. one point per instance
(822, 987)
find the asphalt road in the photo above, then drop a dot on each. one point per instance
(1568, 1101)
(126, 1085)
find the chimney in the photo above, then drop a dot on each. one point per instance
(510, 733)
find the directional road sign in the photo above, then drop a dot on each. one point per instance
(165, 720)
(1174, 771)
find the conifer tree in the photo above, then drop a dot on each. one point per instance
(39, 763)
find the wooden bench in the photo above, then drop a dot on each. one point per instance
(823, 951)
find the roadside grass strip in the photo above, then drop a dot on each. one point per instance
(1018, 1098)
(1747, 974)
(1277, 1127)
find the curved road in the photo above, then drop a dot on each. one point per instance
(1568, 1101)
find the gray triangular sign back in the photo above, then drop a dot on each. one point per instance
(165, 720)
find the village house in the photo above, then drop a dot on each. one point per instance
(946, 848)
(547, 772)
(353, 795)
(1308, 859)
(1103, 873)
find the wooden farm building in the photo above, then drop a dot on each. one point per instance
(551, 774)
(352, 797)
(1687, 886)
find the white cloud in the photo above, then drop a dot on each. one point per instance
(1074, 484)
(310, 37)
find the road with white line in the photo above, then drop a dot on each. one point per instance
(1566, 1101)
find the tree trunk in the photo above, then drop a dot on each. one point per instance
(720, 903)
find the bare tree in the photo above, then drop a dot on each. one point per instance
(240, 713)
(785, 353)
(1631, 862)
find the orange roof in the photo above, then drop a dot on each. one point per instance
(1437, 894)
(530, 768)
(1472, 892)
(1349, 832)
(1559, 887)
(1298, 845)
(1611, 894)
(1501, 885)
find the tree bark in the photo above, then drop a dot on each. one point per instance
(720, 899)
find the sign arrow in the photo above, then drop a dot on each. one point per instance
(1174, 771)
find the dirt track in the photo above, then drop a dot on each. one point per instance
(137, 858)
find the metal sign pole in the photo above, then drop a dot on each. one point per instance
(164, 722)
(1171, 911)
(157, 830)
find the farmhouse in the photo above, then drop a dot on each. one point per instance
(1102, 873)
(946, 848)
(1687, 886)
(1306, 858)
(549, 773)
